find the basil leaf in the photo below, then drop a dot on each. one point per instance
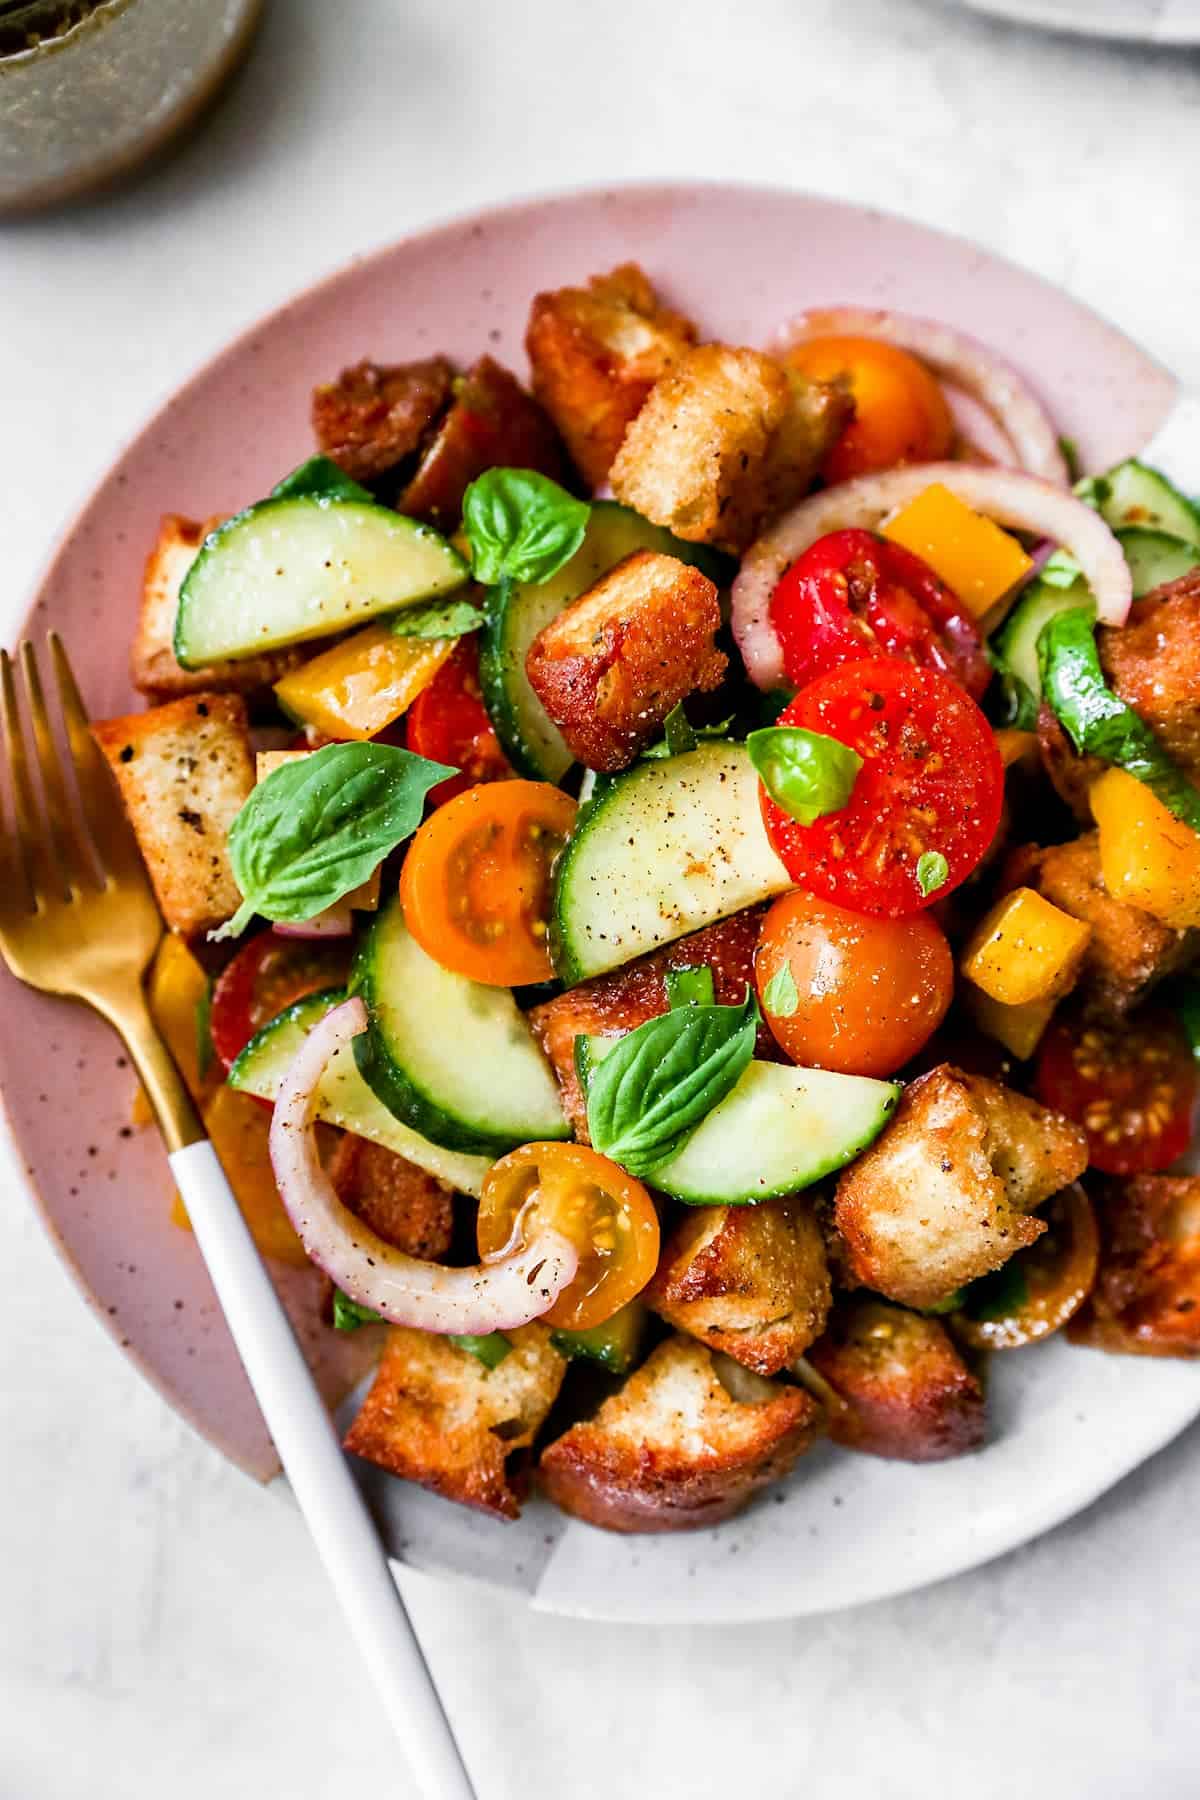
(348, 1315)
(1098, 722)
(932, 870)
(491, 1350)
(653, 1089)
(781, 996)
(807, 773)
(1189, 1013)
(1070, 455)
(204, 1043)
(316, 828)
(680, 735)
(998, 1295)
(437, 619)
(320, 479)
(689, 987)
(947, 1304)
(521, 526)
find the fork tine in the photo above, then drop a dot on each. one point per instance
(111, 834)
(69, 848)
(45, 881)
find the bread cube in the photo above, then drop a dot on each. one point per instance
(908, 1393)
(1146, 1301)
(375, 416)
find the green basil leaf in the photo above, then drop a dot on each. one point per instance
(320, 479)
(490, 1350)
(680, 735)
(348, 1315)
(689, 987)
(998, 1295)
(204, 1043)
(949, 1303)
(807, 773)
(1098, 722)
(781, 996)
(1070, 455)
(316, 828)
(932, 870)
(437, 619)
(1189, 1012)
(654, 1088)
(521, 525)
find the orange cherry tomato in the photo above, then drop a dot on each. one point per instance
(605, 1213)
(865, 993)
(475, 887)
(1041, 1288)
(900, 411)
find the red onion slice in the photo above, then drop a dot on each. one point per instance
(1019, 501)
(958, 359)
(498, 1295)
(337, 921)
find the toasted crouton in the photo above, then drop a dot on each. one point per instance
(436, 1415)
(615, 1003)
(609, 668)
(676, 1449)
(184, 771)
(1153, 663)
(401, 1203)
(751, 1281)
(595, 353)
(374, 417)
(909, 1395)
(944, 1194)
(1146, 1301)
(152, 665)
(727, 438)
(1129, 950)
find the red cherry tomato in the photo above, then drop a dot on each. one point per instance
(931, 781)
(853, 594)
(448, 723)
(268, 974)
(1130, 1085)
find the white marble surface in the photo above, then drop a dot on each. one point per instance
(161, 1620)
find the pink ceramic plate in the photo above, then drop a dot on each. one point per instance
(739, 260)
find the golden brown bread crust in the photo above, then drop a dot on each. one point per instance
(435, 1415)
(595, 353)
(401, 1203)
(909, 1395)
(611, 666)
(751, 1281)
(493, 423)
(375, 416)
(674, 1450)
(727, 438)
(1153, 663)
(1146, 1301)
(613, 1004)
(184, 770)
(944, 1194)
(1129, 950)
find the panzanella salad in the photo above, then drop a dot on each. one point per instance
(731, 932)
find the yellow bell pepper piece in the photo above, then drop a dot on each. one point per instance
(362, 684)
(175, 991)
(1014, 746)
(239, 1128)
(970, 552)
(1018, 1028)
(1025, 949)
(364, 898)
(1148, 857)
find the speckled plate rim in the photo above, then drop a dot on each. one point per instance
(676, 230)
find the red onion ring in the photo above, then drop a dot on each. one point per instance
(498, 1295)
(1011, 498)
(337, 921)
(958, 359)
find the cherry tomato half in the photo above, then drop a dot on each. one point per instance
(860, 995)
(606, 1214)
(852, 594)
(1130, 1085)
(448, 723)
(475, 887)
(900, 411)
(267, 975)
(1039, 1289)
(931, 780)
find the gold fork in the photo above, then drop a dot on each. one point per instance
(78, 918)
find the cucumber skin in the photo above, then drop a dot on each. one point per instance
(613, 1346)
(309, 1008)
(1143, 546)
(1097, 491)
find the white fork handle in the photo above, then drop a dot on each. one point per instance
(321, 1480)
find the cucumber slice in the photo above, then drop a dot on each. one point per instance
(1015, 644)
(781, 1129)
(454, 1059)
(531, 740)
(1154, 557)
(343, 1097)
(302, 566)
(664, 849)
(614, 1345)
(1135, 494)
